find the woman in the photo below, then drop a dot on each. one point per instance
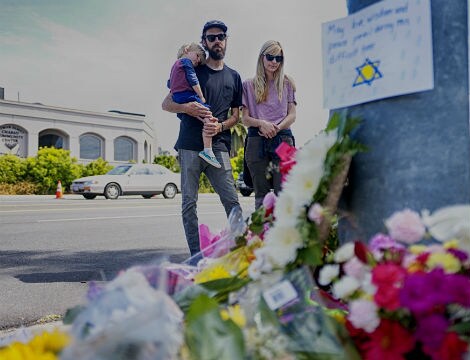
(268, 112)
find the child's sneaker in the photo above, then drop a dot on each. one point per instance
(210, 159)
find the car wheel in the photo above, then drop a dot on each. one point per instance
(112, 191)
(147, 196)
(246, 192)
(170, 191)
(89, 196)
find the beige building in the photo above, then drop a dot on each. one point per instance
(114, 136)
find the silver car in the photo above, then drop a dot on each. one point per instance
(130, 179)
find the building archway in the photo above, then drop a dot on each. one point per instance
(53, 138)
(91, 146)
(13, 140)
(125, 149)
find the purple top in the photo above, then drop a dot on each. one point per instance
(182, 76)
(273, 109)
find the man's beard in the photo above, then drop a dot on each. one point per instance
(216, 55)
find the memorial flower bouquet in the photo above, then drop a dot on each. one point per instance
(407, 300)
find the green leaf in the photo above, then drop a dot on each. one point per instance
(185, 297)
(72, 313)
(208, 336)
(311, 255)
(333, 123)
(461, 328)
(221, 288)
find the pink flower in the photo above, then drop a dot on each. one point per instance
(315, 213)
(405, 226)
(269, 201)
(206, 240)
(389, 279)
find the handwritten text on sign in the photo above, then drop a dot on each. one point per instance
(381, 51)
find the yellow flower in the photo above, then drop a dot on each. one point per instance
(212, 272)
(417, 249)
(44, 346)
(452, 244)
(447, 261)
(235, 313)
(415, 267)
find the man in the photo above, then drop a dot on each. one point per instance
(222, 89)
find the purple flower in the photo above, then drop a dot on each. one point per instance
(458, 287)
(459, 254)
(423, 293)
(431, 330)
(94, 291)
(381, 242)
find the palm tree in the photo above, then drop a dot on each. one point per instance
(239, 133)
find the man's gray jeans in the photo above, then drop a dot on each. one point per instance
(222, 181)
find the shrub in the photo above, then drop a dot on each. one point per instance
(168, 161)
(96, 167)
(237, 163)
(12, 169)
(20, 188)
(51, 165)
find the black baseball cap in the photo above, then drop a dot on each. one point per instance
(212, 24)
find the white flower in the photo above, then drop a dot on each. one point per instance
(355, 268)
(316, 148)
(367, 286)
(287, 210)
(302, 182)
(260, 265)
(316, 213)
(344, 253)
(281, 244)
(405, 226)
(345, 287)
(327, 274)
(451, 222)
(363, 315)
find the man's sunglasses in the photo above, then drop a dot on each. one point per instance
(278, 58)
(220, 37)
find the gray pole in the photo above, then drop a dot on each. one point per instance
(419, 144)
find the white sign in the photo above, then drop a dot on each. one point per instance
(280, 294)
(12, 140)
(381, 51)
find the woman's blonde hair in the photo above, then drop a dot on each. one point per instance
(260, 83)
(192, 47)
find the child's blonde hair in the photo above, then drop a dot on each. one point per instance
(192, 47)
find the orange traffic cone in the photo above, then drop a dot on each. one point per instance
(59, 193)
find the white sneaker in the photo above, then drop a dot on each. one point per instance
(210, 159)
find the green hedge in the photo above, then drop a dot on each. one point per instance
(40, 174)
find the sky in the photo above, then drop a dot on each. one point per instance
(101, 55)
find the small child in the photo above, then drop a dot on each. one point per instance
(184, 87)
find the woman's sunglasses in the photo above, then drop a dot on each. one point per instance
(278, 58)
(220, 37)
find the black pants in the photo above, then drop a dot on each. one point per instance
(263, 164)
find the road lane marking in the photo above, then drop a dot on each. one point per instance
(98, 208)
(124, 217)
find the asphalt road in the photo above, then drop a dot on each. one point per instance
(51, 248)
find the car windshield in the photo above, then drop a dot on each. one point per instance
(119, 170)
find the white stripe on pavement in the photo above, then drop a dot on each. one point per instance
(125, 217)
